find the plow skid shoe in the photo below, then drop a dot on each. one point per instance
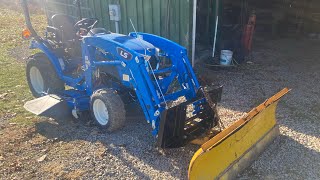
(228, 153)
(176, 129)
(49, 105)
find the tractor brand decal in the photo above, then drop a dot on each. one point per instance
(123, 53)
(125, 77)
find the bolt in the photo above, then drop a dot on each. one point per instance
(153, 124)
(157, 113)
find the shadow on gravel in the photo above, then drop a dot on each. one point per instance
(133, 145)
(284, 159)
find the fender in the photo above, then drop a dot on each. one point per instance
(53, 59)
(55, 62)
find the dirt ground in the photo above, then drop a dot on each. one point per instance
(41, 148)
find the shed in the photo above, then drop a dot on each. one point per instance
(204, 27)
(172, 19)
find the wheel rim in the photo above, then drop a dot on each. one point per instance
(36, 80)
(100, 112)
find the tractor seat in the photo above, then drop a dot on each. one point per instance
(67, 33)
(65, 24)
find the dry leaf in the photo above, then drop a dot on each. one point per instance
(42, 158)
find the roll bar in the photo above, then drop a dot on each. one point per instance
(26, 13)
(25, 8)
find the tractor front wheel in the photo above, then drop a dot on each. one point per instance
(42, 76)
(107, 109)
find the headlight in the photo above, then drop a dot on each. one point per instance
(157, 51)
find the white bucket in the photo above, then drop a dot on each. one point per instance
(226, 57)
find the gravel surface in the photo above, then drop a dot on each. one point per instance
(63, 148)
(277, 64)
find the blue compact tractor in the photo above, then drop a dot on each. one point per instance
(93, 70)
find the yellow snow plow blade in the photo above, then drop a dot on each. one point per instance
(228, 153)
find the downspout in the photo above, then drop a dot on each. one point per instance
(194, 28)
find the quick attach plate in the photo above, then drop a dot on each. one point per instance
(177, 129)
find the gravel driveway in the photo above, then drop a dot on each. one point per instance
(63, 148)
(277, 64)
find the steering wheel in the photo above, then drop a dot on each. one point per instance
(86, 23)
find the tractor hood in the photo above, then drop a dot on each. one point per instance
(134, 44)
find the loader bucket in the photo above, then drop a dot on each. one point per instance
(228, 153)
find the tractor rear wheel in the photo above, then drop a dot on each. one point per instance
(107, 109)
(41, 76)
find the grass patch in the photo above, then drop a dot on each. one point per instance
(13, 85)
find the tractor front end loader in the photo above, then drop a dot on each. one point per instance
(104, 71)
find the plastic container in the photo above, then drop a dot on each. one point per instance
(226, 57)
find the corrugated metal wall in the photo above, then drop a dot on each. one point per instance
(167, 18)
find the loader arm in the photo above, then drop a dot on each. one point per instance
(228, 153)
